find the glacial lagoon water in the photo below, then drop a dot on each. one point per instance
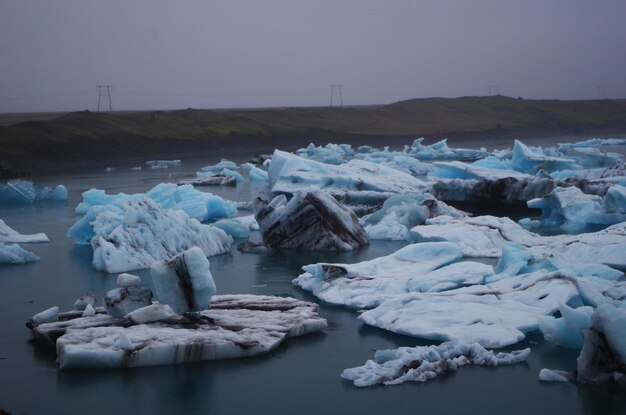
(301, 376)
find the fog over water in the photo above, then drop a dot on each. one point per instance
(231, 53)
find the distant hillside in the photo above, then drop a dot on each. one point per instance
(81, 138)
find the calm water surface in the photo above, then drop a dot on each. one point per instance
(300, 377)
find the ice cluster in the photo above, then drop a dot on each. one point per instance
(10, 251)
(135, 233)
(20, 191)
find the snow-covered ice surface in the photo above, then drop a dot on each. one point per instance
(424, 363)
(134, 234)
(236, 326)
(311, 220)
(20, 191)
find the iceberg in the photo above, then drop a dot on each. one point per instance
(419, 267)
(567, 329)
(400, 213)
(139, 232)
(594, 142)
(289, 173)
(424, 363)
(20, 191)
(198, 205)
(223, 164)
(15, 254)
(238, 227)
(602, 360)
(8, 234)
(217, 179)
(330, 154)
(127, 297)
(184, 282)
(256, 174)
(574, 211)
(527, 160)
(441, 151)
(235, 326)
(311, 220)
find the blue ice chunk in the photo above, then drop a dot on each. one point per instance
(531, 160)
(567, 330)
(20, 191)
(257, 174)
(197, 204)
(514, 259)
(15, 254)
(232, 173)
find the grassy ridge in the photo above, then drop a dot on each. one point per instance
(82, 136)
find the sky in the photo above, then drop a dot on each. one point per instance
(162, 54)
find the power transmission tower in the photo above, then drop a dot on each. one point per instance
(601, 92)
(104, 91)
(336, 90)
(493, 89)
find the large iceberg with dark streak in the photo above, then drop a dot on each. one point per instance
(311, 220)
(136, 233)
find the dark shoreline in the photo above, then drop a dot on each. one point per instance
(84, 139)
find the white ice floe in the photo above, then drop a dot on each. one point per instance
(15, 254)
(400, 213)
(151, 314)
(531, 160)
(311, 220)
(47, 316)
(9, 235)
(184, 282)
(235, 326)
(20, 191)
(366, 284)
(140, 232)
(424, 363)
(574, 211)
(198, 205)
(483, 236)
(595, 142)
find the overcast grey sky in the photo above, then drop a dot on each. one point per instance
(161, 54)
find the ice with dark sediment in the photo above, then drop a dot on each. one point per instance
(216, 179)
(184, 282)
(19, 191)
(235, 326)
(424, 363)
(311, 220)
(136, 233)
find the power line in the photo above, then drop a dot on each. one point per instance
(335, 89)
(101, 93)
